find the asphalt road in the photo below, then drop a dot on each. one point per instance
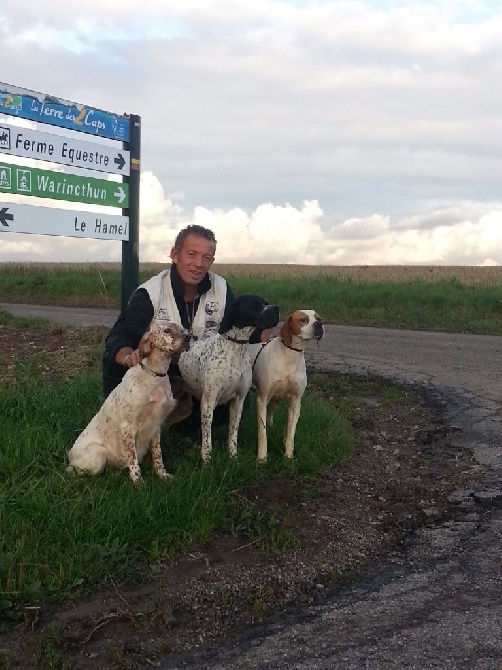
(437, 603)
(79, 316)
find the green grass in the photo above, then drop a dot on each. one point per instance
(70, 284)
(64, 536)
(448, 305)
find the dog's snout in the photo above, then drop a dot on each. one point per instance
(318, 330)
(272, 315)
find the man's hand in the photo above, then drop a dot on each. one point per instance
(128, 357)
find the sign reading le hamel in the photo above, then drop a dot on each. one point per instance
(118, 154)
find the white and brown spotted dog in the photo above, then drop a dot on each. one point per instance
(217, 370)
(279, 372)
(130, 419)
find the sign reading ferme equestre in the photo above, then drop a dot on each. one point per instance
(63, 150)
(111, 157)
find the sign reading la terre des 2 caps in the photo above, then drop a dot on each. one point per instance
(40, 107)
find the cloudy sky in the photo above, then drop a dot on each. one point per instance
(301, 131)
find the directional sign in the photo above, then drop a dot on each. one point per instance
(57, 112)
(5, 217)
(65, 150)
(59, 186)
(16, 218)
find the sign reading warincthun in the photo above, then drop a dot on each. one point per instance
(22, 180)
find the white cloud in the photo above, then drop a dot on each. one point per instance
(310, 132)
(465, 235)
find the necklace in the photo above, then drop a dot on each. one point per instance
(190, 314)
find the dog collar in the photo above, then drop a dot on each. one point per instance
(152, 372)
(292, 348)
(234, 339)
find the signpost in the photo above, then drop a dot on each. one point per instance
(64, 150)
(121, 158)
(22, 180)
(16, 218)
(44, 108)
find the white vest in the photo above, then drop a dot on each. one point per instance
(209, 313)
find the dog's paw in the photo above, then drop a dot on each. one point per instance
(165, 476)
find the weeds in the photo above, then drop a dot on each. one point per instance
(48, 658)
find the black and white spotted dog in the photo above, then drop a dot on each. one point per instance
(217, 370)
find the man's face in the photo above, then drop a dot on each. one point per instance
(194, 259)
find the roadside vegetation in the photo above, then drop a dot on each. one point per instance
(466, 300)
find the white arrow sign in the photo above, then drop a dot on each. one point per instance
(121, 194)
(64, 150)
(16, 218)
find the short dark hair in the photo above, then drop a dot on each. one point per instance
(193, 229)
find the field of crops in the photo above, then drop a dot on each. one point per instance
(454, 299)
(360, 273)
(372, 273)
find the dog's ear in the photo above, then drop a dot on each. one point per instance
(145, 345)
(286, 336)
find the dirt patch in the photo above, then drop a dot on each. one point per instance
(56, 350)
(400, 478)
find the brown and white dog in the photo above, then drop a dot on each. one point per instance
(279, 372)
(130, 419)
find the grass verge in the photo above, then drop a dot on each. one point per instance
(66, 536)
